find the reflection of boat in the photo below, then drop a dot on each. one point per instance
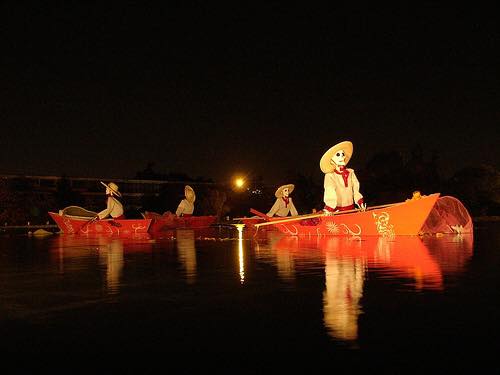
(170, 221)
(75, 254)
(405, 218)
(344, 279)
(84, 225)
(187, 252)
(111, 256)
(405, 256)
(452, 251)
(416, 262)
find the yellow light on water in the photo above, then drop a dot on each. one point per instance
(239, 227)
(241, 257)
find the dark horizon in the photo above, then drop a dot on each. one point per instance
(94, 90)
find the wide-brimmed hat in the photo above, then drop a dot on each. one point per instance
(326, 164)
(189, 193)
(113, 188)
(279, 192)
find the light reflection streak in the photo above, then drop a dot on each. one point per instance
(241, 259)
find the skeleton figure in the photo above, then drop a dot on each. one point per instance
(283, 205)
(186, 206)
(113, 206)
(341, 184)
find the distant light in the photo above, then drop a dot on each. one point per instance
(239, 182)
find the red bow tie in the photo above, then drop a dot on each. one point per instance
(286, 199)
(344, 172)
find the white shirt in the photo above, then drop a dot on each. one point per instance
(337, 194)
(114, 209)
(280, 209)
(185, 208)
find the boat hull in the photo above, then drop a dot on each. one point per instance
(161, 223)
(77, 225)
(406, 218)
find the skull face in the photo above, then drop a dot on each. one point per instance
(286, 192)
(339, 158)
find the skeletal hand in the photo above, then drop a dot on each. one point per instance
(362, 206)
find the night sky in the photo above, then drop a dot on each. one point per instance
(100, 89)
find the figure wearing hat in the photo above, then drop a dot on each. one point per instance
(186, 207)
(114, 207)
(283, 205)
(341, 184)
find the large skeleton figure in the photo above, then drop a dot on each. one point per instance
(341, 184)
(283, 205)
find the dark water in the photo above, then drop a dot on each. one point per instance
(210, 291)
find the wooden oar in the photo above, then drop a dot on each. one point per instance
(260, 214)
(309, 216)
(87, 223)
(293, 218)
(246, 218)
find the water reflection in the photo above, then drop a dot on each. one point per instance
(241, 255)
(111, 257)
(452, 252)
(187, 253)
(76, 254)
(343, 290)
(417, 264)
(280, 250)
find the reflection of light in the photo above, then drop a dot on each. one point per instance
(240, 229)
(240, 251)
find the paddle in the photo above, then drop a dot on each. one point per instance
(260, 214)
(309, 216)
(87, 223)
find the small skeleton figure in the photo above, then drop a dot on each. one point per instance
(283, 205)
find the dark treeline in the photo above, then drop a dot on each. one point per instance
(386, 178)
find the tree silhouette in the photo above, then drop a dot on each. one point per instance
(478, 188)
(65, 195)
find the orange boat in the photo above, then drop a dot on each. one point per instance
(404, 218)
(84, 225)
(170, 221)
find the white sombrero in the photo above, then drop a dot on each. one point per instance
(326, 163)
(279, 192)
(189, 193)
(113, 188)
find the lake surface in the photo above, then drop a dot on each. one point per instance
(220, 290)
